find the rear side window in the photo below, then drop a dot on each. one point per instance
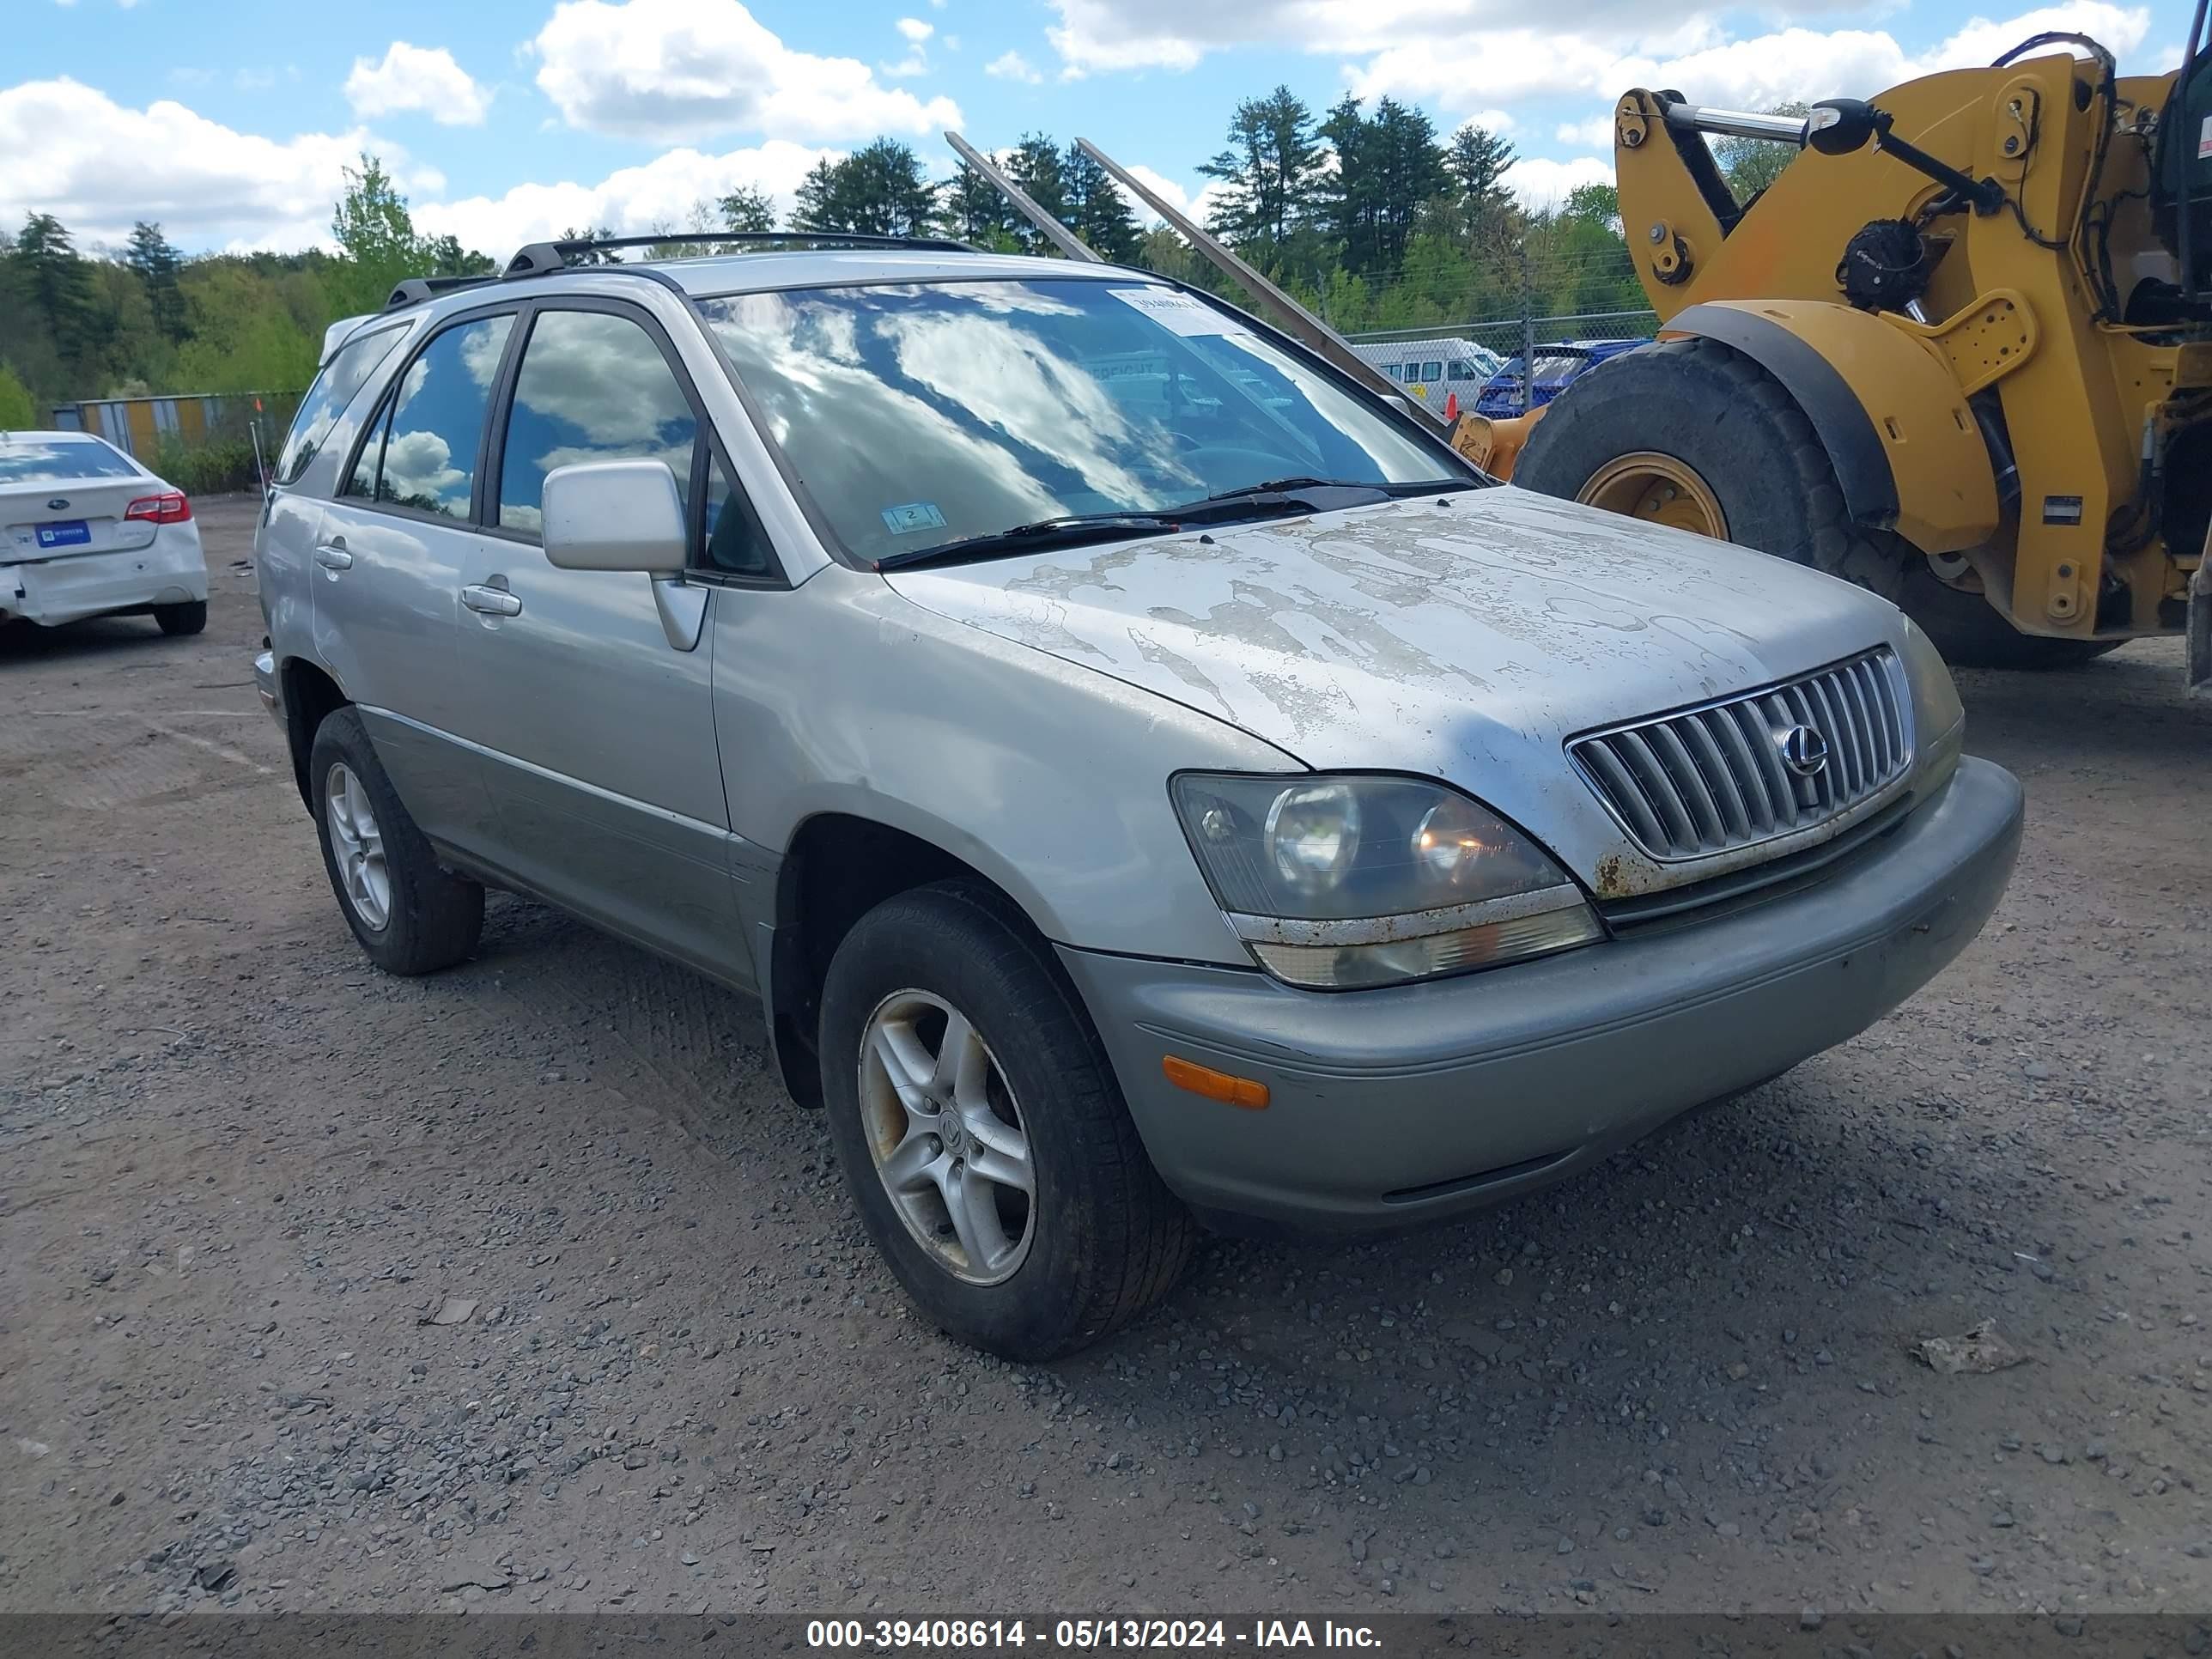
(327, 399)
(1431, 371)
(26, 459)
(424, 454)
(592, 386)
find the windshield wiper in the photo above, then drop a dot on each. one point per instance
(1303, 489)
(1069, 529)
(1276, 497)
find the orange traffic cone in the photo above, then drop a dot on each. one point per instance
(1451, 408)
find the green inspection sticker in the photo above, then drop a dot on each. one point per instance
(915, 515)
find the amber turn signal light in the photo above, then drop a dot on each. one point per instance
(1244, 1092)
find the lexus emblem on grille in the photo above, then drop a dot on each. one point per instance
(1804, 750)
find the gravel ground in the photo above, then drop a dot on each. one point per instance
(525, 1286)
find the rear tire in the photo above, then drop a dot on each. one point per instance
(411, 916)
(1098, 1238)
(189, 617)
(1733, 424)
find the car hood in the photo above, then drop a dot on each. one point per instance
(1467, 637)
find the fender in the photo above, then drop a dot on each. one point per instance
(1907, 451)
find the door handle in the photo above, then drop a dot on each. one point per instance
(332, 555)
(490, 601)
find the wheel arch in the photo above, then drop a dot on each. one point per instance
(310, 694)
(838, 865)
(1908, 453)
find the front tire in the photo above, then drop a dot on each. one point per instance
(982, 1134)
(411, 916)
(188, 617)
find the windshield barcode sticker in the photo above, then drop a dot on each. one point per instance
(1181, 313)
(915, 515)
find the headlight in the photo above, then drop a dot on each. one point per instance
(1336, 883)
(1939, 720)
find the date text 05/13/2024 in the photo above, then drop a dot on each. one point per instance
(1085, 1635)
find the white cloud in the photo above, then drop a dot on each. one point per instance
(1012, 66)
(1754, 73)
(412, 77)
(1462, 54)
(631, 201)
(1538, 183)
(1491, 121)
(102, 164)
(1598, 130)
(1198, 205)
(915, 30)
(679, 71)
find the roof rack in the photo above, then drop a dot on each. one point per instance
(539, 258)
(413, 290)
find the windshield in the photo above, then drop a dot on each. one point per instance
(919, 414)
(50, 459)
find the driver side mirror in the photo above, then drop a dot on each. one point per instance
(1836, 126)
(615, 515)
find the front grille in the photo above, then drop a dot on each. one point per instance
(1717, 778)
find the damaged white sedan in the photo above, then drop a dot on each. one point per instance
(1147, 779)
(85, 531)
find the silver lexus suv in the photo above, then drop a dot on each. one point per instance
(1147, 779)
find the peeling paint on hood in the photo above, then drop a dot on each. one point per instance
(1467, 636)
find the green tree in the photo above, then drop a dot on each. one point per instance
(879, 189)
(1388, 169)
(444, 256)
(240, 341)
(375, 236)
(590, 256)
(745, 208)
(1096, 209)
(1477, 159)
(17, 410)
(977, 210)
(151, 255)
(1750, 165)
(59, 285)
(1269, 169)
(1035, 166)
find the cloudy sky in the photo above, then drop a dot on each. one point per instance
(228, 120)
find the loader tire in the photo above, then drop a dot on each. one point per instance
(1711, 410)
(1742, 445)
(1971, 633)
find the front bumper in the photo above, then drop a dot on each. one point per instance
(168, 570)
(266, 687)
(1401, 1105)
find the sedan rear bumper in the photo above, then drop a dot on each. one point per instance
(168, 570)
(1395, 1106)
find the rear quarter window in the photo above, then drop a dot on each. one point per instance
(334, 388)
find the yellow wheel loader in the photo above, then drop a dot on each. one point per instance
(1960, 351)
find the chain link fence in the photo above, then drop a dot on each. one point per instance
(1501, 365)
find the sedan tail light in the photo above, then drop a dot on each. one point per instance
(170, 507)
